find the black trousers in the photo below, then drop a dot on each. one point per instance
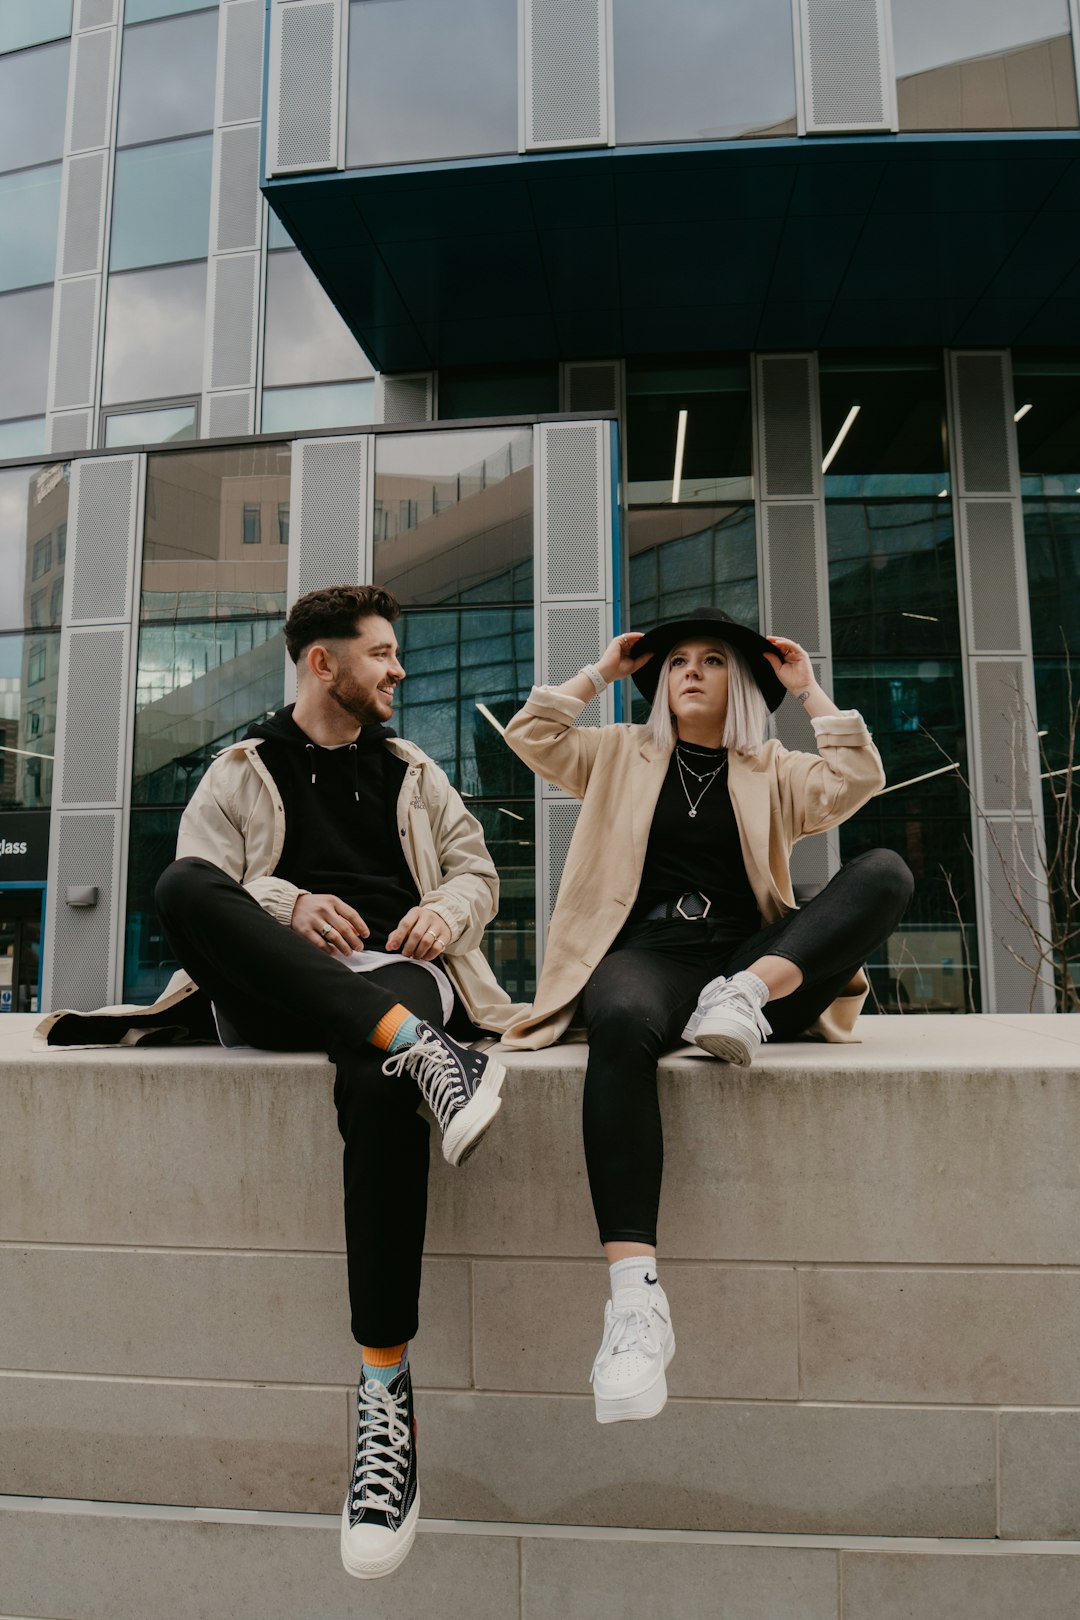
(278, 991)
(640, 996)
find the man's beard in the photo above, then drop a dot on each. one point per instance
(349, 695)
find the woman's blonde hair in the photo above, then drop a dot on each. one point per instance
(747, 711)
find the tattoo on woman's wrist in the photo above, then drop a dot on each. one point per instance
(802, 696)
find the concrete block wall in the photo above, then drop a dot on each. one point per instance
(873, 1258)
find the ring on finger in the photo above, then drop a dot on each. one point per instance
(327, 931)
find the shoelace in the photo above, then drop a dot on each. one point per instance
(435, 1071)
(725, 991)
(629, 1327)
(383, 1435)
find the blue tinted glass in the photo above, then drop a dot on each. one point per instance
(161, 203)
(430, 80)
(150, 427)
(29, 209)
(277, 236)
(25, 323)
(33, 106)
(31, 22)
(167, 78)
(333, 405)
(154, 333)
(23, 438)
(142, 10)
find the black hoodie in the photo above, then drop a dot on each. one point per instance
(341, 819)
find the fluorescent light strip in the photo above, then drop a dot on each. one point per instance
(27, 753)
(840, 437)
(680, 445)
(1021, 412)
(491, 720)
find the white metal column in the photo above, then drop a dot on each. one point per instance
(565, 92)
(844, 67)
(330, 500)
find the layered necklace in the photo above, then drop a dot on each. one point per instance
(686, 769)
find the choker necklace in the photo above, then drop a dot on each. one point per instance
(708, 777)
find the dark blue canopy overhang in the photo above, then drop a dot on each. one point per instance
(888, 241)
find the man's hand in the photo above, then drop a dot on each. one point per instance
(421, 934)
(329, 923)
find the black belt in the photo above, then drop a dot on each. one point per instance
(693, 907)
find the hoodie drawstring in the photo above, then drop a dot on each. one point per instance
(309, 748)
(355, 773)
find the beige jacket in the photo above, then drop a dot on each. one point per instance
(236, 820)
(617, 773)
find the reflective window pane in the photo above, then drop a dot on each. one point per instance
(984, 64)
(33, 106)
(29, 680)
(431, 80)
(154, 333)
(29, 211)
(31, 22)
(33, 543)
(892, 579)
(150, 427)
(167, 78)
(23, 438)
(883, 426)
(276, 236)
(161, 204)
(328, 405)
(713, 404)
(306, 339)
(143, 10)
(518, 391)
(25, 324)
(692, 70)
(454, 516)
(682, 558)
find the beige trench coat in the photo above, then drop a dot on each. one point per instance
(236, 820)
(616, 771)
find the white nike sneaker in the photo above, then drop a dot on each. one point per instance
(629, 1374)
(728, 1022)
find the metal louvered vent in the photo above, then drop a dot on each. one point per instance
(241, 90)
(406, 399)
(239, 201)
(844, 56)
(995, 603)
(81, 253)
(787, 437)
(984, 424)
(1002, 726)
(69, 431)
(566, 93)
(76, 342)
(235, 284)
(306, 85)
(93, 741)
(573, 501)
(592, 387)
(230, 415)
(794, 595)
(90, 107)
(560, 818)
(86, 853)
(333, 496)
(102, 524)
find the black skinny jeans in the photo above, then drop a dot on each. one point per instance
(640, 996)
(279, 992)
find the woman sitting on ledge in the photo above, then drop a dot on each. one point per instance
(676, 917)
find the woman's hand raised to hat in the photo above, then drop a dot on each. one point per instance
(791, 664)
(617, 661)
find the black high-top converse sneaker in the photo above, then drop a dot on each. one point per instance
(460, 1086)
(378, 1521)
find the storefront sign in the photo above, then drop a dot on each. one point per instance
(24, 846)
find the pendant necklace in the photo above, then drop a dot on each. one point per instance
(708, 777)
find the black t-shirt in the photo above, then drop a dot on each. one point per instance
(701, 852)
(340, 821)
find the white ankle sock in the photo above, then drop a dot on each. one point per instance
(752, 984)
(633, 1273)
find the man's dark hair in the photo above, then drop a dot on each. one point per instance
(335, 613)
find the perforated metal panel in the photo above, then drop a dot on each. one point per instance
(1002, 775)
(991, 538)
(570, 637)
(95, 13)
(228, 416)
(573, 497)
(83, 214)
(101, 540)
(304, 89)
(558, 819)
(91, 100)
(566, 73)
(75, 342)
(331, 533)
(789, 453)
(241, 76)
(93, 688)
(70, 431)
(232, 320)
(984, 424)
(238, 210)
(814, 861)
(591, 386)
(1012, 870)
(80, 957)
(404, 399)
(794, 545)
(847, 77)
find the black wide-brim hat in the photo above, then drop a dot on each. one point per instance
(710, 623)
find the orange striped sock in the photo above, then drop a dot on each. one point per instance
(395, 1029)
(384, 1364)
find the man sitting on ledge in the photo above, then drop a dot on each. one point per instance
(331, 891)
